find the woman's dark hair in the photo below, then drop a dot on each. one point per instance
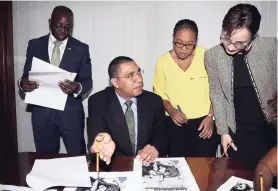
(186, 24)
(242, 16)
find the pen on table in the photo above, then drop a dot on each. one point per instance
(179, 108)
(261, 182)
(227, 148)
(97, 161)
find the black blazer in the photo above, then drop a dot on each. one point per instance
(106, 115)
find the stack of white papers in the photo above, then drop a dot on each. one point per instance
(18, 188)
(49, 94)
(235, 183)
(70, 171)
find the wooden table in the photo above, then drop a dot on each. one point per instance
(209, 173)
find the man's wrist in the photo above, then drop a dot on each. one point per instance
(78, 88)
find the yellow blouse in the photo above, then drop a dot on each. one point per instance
(189, 89)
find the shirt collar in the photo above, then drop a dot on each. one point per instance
(52, 39)
(122, 100)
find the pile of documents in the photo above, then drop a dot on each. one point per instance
(72, 173)
(49, 94)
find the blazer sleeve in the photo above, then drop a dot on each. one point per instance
(95, 121)
(29, 57)
(216, 95)
(85, 71)
(159, 137)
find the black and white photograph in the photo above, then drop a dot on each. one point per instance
(112, 181)
(167, 174)
(105, 184)
(240, 186)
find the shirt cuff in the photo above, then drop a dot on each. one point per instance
(18, 84)
(76, 94)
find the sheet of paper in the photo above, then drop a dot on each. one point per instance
(14, 188)
(49, 94)
(18, 188)
(166, 174)
(235, 183)
(114, 181)
(70, 171)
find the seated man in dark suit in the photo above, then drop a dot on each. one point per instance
(131, 118)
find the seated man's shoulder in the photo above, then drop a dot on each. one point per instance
(100, 95)
(151, 96)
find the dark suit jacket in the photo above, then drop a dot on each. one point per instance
(106, 115)
(76, 58)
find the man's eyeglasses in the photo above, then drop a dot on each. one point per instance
(187, 46)
(238, 46)
(132, 75)
(60, 27)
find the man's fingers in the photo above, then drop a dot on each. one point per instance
(148, 158)
(99, 137)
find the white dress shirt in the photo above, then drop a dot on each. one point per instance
(62, 48)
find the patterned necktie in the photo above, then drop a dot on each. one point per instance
(130, 123)
(55, 58)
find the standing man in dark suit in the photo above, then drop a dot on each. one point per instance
(66, 52)
(133, 117)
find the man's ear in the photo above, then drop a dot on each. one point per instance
(49, 22)
(114, 82)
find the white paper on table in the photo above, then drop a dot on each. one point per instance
(166, 174)
(69, 171)
(13, 188)
(49, 94)
(124, 181)
(236, 182)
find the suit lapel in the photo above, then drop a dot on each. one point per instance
(142, 113)
(67, 56)
(255, 61)
(117, 123)
(44, 49)
(225, 72)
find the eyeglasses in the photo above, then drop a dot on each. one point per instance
(187, 46)
(60, 27)
(132, 75)
(238, 46)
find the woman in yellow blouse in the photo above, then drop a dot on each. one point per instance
(181, 80)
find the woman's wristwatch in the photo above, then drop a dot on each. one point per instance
(212, 116)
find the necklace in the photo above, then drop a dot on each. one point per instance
(187, 65)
